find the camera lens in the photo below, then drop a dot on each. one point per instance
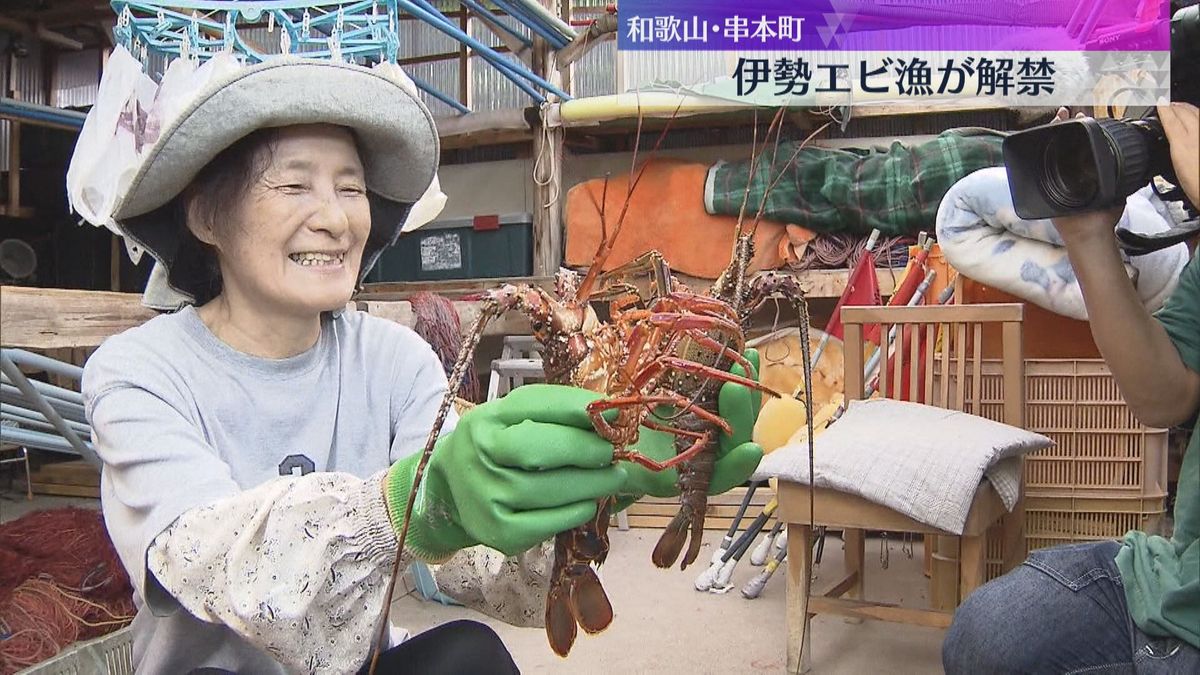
(1069, 176)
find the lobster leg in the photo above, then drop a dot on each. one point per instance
(683, 365)
(693, 450)
(596, 409)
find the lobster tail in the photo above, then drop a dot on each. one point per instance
(589, 603)
(560, 620)
(666, 552)
(694, 544)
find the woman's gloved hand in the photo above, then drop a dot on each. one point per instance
(737, 456)
(514, 472)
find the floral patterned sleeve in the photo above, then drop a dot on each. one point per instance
(511, 589)
(305, 561)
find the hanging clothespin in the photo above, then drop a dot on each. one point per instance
(335, 46)
(270, 22)
(123, 32)
(162, 21)
(195, 47)
(305, 25)
(392, 46)
(285, 42)
(229, 32)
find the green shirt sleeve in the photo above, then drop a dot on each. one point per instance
(1181, 315)
(1162, 576)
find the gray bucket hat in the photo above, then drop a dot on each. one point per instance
(397, 141)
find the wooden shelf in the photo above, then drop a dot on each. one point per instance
(511, 125)
(821, 284)
(619, 114)
(52, 318)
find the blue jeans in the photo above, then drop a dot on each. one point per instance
(1062, 611)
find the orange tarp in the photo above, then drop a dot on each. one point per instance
(667, 214)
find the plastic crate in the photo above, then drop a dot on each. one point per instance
(110, 654)
(1101, 449)
(461, 248)
(1054, 521)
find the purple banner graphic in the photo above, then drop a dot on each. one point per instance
(936, 25)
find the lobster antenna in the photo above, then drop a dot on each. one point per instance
(774, 156)
(490, 311)
(741, 240)
(803, 144)
(606, 244)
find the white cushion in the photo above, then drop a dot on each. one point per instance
(922, 461)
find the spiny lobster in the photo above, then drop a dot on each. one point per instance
(626, 359)
(637, 360)
(733, 299)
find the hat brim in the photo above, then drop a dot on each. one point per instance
(397, 136)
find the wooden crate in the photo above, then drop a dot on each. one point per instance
(656, 512)
(66, 479)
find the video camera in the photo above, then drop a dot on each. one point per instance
(1088, 164)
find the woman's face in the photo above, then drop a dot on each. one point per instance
(294, 244)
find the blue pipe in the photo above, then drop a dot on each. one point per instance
(453, 103)
(39, 113)
(484, 11)
(439, 21)
(533, 24)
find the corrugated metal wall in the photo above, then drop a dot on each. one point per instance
(5, 55)
(28, 78)
(77, 73)
(490, 89)
(77, 78)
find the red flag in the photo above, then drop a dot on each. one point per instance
(910, 390)
(862, 289)
(913, 274)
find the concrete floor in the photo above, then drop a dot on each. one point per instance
(663, 625)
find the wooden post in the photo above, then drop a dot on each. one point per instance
(565, 13)
(799, 586)
(14, 168)
(548, 197)
(464, 61)
(114, 264)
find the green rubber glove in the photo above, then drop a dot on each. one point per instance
(737, 455)
(514, 472)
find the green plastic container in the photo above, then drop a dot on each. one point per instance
(461, 248)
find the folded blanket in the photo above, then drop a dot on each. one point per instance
(829, 190)
(667, 214)
(984, 239)
(919, 460)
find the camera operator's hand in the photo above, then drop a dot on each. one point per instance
(1086, 226)
(1181, 122)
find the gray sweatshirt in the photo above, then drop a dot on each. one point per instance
(243, 494)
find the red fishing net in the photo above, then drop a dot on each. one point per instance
(60, 582)
(437, 323)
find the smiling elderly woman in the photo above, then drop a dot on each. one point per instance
(260, 442)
